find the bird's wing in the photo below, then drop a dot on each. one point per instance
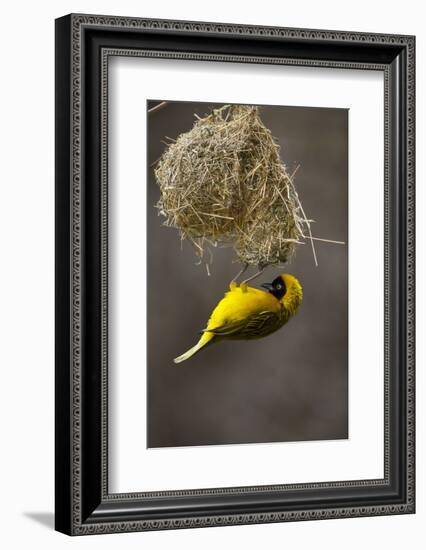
(254, 324)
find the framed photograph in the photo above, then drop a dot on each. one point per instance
(234, 274)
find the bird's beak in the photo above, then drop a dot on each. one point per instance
(269, 286)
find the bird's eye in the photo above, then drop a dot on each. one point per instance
(279, 287)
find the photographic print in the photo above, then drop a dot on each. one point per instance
(247, 262)
(234, 274)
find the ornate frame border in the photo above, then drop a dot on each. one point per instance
(71, 517)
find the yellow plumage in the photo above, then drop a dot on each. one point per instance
(247, 313)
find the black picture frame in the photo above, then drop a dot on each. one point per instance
(83, 46)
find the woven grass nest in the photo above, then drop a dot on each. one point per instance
(223, 183)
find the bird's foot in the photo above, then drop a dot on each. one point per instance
(243, 287)
(233, 285)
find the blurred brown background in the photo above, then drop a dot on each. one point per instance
(292, 385)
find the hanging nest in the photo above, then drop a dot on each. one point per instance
(223, 182)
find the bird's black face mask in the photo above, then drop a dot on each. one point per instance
(277, 288)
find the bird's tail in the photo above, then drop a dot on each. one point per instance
(203, 341)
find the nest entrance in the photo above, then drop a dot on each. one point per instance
(223, 182)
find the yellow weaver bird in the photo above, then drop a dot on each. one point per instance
(245, 313)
